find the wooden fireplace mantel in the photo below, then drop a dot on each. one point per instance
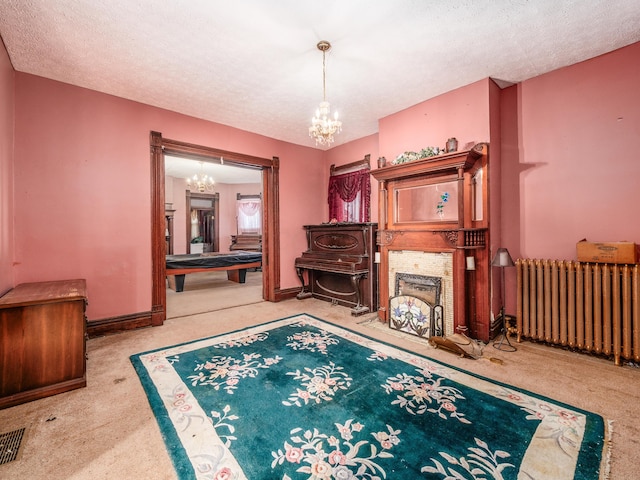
(415, 216)
(472, 238)
(438, 165)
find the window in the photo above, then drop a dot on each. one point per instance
(350, 192)
(249, 214)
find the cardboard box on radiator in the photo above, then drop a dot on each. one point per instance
(607, 252)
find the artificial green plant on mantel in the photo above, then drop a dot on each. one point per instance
(411, 156)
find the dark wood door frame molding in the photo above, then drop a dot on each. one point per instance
(215, 201)
(270, 220)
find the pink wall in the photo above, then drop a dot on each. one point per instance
(462, 113)
(569, 156)
(7, 83)
(495, 165)
(301, 191)
(570, 163)
(82, 189)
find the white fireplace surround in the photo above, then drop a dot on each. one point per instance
(428, 264)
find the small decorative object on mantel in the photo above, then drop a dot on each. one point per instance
(382, 162)
(452, 145)
(444, 198)
(411, 156)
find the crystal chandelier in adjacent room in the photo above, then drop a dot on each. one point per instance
(200, 182)
(323, 127)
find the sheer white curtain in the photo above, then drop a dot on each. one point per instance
(249, 212)
(352, 211)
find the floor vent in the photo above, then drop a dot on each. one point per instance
(10, 445)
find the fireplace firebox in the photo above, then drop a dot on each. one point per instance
(416, 307)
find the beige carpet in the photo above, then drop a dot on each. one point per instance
(209, 291)
(107, 430)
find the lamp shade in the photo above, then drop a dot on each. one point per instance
(502, 259)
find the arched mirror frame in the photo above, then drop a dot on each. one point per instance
(270, 220)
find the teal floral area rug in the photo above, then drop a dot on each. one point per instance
(300, 398)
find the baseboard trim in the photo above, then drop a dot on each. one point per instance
(42, 392)
(286, 294)
(123, 323)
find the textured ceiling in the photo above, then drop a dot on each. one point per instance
(254, 65)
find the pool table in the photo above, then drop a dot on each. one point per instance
(235, 263)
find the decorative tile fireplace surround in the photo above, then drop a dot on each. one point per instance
(427, 276)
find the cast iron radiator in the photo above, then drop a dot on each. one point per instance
(590, 307)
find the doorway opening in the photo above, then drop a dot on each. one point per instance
(203, 217)
(269, 172)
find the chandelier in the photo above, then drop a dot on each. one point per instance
(200, 182)
(322, 126)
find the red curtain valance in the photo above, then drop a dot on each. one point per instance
(346, 187)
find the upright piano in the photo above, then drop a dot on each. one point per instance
(339, 265)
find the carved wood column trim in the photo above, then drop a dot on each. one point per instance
(158, 246)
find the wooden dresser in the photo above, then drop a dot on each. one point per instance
(42, 340)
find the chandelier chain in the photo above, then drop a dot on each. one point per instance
(324, 77)
(322, 127)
